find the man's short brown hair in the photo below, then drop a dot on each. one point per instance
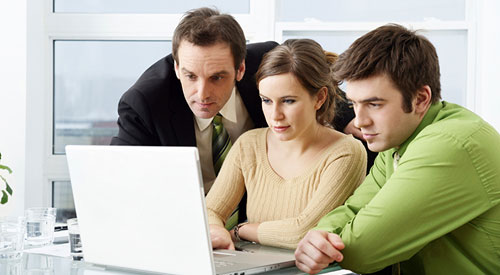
(408, 59)
(206, 27)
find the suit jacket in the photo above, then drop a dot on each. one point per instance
(154, 111)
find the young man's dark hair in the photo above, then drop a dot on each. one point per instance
(409, 60)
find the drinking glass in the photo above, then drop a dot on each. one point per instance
(40, 222)
(11, 237)
(74, 239)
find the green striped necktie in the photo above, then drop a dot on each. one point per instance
(220, 143)
(220, 147)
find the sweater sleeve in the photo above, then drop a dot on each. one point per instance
(338, 180)
(228, 188)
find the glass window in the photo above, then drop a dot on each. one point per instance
(147, 6)
(62, 199)
(369, 10)
(89, 79)
(451, 47)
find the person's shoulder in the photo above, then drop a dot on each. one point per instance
(249, 146)
(349, 143)
(255, 52)
(160, 73)
(345, 146)
(252, 136)
(261, 47)
(456, 122)
(157, 84)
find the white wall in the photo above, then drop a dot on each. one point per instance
(488, 74)
(13, 99)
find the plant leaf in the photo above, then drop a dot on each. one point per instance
(3, 167)
(5, 198)
(8, 189)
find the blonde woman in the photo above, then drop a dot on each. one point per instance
(299, 168)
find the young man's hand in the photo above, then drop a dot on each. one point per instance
(317, 250)
(221, 239)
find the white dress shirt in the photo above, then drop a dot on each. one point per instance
(236, 121)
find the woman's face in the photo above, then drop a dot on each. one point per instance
(289, 109)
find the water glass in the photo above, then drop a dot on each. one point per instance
(11, 237)
(74, 239)
(40, 222)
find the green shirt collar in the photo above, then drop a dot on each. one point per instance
(428, 119)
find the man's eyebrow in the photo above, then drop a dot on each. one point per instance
(282, 97)
(368, 100)
(223, 72)
(186, 71)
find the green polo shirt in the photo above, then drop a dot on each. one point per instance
(438, 212)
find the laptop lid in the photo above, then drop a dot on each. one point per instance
(144, 208)
(141, 207)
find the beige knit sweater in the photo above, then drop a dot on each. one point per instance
(285, 209)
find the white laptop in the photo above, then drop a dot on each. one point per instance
(143, 208)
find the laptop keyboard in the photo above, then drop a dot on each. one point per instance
(220, 264)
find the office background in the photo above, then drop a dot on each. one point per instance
(64, 64)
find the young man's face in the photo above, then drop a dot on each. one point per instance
(378, 105)
(207, 75)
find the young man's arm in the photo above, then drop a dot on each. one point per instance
(435, 190)
(322, 245)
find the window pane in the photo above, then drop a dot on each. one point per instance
(62, 199)
(90, 77)
(451, 47)
(147, 6)
(369, 10)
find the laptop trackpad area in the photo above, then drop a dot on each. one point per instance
(229, 260)
(226, 262)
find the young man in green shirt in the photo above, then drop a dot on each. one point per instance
(431, 203)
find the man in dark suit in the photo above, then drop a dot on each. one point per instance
(210, 71)
(174, 101)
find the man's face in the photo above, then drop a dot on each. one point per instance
(207, 76)
(378, 105)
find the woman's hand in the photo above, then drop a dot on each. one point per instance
(221, 239)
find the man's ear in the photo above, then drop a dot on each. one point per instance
(422, 100)
(241, 71)
(176, 68)
(321, 97)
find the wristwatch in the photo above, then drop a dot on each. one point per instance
(237, 231)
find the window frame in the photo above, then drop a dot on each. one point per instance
(469, 25)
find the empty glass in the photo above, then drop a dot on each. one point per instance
(12, 237)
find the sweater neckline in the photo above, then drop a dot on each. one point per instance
(305, 172)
